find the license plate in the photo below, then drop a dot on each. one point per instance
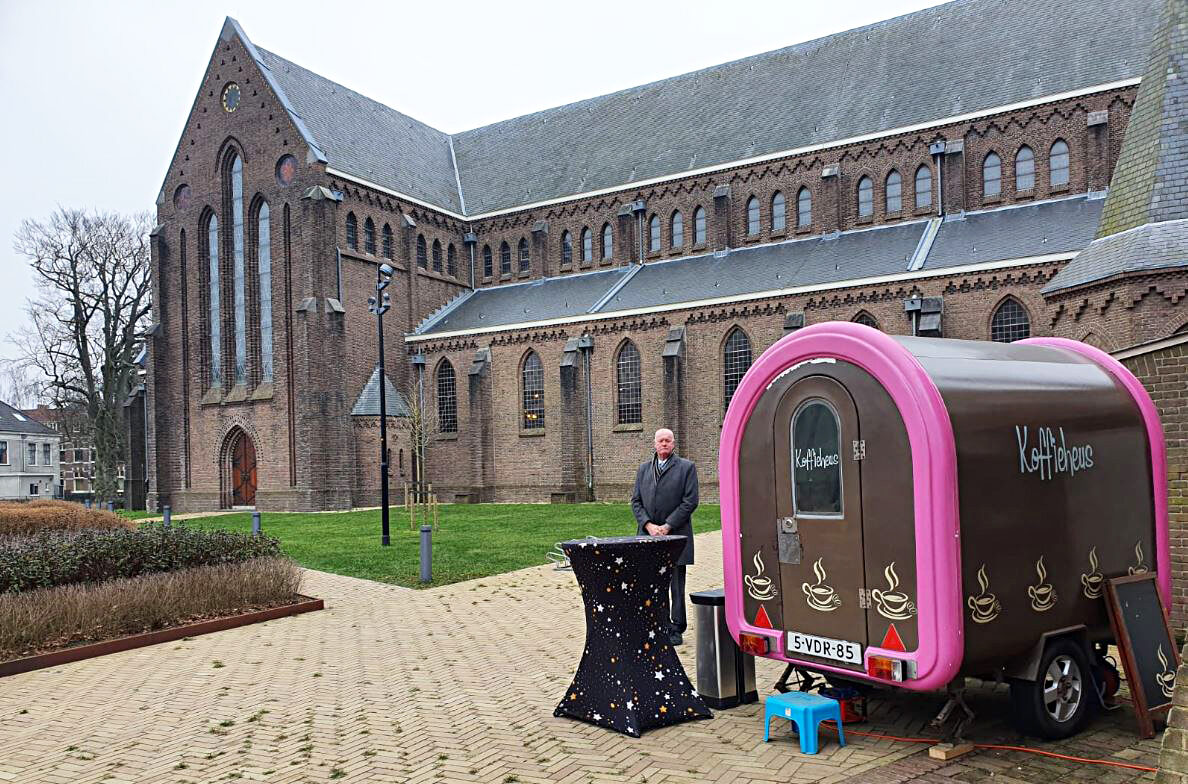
(824, 647)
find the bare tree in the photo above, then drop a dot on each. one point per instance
(87, 319)
(17, 386)
(420, 425)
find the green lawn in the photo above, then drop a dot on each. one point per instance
(474, 540)
(136, 514)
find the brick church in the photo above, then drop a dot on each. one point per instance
(566, 282)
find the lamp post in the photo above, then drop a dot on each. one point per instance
(379, 305)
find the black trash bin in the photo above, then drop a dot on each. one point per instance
(723, 671)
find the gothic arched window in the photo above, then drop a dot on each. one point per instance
(629, 385)
(608, 242)
(214, 365)
(779, 212)
(804, 207)
(525, 256)
(437, 255)
(991, 175)
(587, 245)
(387, 241)
(264, 269)
(923, 187)
(447, 398)
(352, 231)
(532, 385)
(1058, 164)
(752, 217)
(369, 236)
(504, 258)
(736, 358)
(566, 248)
(1024, 169)
(1010, 322)
(422, 252)
(894, 192)
(488, 262)
(654, 233)
(676, 236)
(699, 226)
(865, 197)
(452, 261)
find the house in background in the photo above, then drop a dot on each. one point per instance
(29, 461)
(76, 453)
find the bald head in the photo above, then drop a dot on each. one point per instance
(664, 442)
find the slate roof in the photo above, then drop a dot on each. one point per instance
(1006, 233)
(368, 403)
(1035, 229)
(368, 139)
(961, 57)
(1144, 223)
(537, 300)
(13, 421)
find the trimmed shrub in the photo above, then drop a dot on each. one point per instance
(30, 517)
(54, 558)
(61, 617)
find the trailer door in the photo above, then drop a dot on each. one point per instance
(819, 511)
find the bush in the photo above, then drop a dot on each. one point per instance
(60, 617)
(53, 558)
(30, 517)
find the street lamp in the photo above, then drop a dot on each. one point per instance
(379, 305)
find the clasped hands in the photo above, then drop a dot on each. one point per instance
(657, 530)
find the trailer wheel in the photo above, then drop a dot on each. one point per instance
(1057, 704)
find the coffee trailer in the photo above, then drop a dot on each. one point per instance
(909, 511)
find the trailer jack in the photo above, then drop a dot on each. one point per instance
(956, 692)
(805, 680)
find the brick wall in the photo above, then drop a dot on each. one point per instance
(1164, 372)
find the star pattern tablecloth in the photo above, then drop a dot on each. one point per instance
(629, 678)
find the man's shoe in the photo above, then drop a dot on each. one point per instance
(676, 639)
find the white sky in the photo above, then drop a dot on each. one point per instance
(93, 95)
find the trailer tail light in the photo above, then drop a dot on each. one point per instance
(754, 644)
(884, 667)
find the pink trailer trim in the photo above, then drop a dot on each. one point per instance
(1154, 437)
(934, 489)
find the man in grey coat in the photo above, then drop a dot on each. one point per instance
(663, 501)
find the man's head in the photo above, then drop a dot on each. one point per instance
(664, 443)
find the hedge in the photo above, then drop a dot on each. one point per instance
(52, 558)
(30, 517)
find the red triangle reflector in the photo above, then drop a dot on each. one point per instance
(891, 640)
(762, 621)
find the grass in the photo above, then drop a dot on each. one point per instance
(136, 514)
(474, 540)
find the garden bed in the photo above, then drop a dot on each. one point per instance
(301, 604)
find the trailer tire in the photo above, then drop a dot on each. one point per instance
(1058, 703)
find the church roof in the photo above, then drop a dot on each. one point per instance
(368, 403)
(900, 252)
(1144, 225)
(956, 59)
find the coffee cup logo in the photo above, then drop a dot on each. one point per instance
(1092, 581)
(820, 596)
(1043, 595)
(984, 607)
(1167, 678)
(891, 603)
(759, 587)
(1140, 566)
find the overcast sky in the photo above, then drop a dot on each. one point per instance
(93, 95)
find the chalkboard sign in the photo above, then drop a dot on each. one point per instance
(1146, 643)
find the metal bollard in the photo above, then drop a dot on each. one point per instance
(255, 523)
(426, 553)
(168, 514)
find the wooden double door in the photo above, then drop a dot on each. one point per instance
(243, 472)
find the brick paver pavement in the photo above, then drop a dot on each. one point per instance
(453, 684)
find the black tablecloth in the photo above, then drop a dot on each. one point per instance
(630, 678)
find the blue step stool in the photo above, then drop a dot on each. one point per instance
(807, 711)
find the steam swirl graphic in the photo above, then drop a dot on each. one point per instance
(1140, 566)
(984, 607)
(1092, 580)
(1043, 595)
(891, 603)
(1167, 677)
(820, 596)
(759, 587)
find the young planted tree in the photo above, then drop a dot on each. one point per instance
(87, 320)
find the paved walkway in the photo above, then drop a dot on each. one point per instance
(454, 684)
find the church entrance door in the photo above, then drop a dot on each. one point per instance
(243, 472)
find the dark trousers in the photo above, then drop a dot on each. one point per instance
(676, 589)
